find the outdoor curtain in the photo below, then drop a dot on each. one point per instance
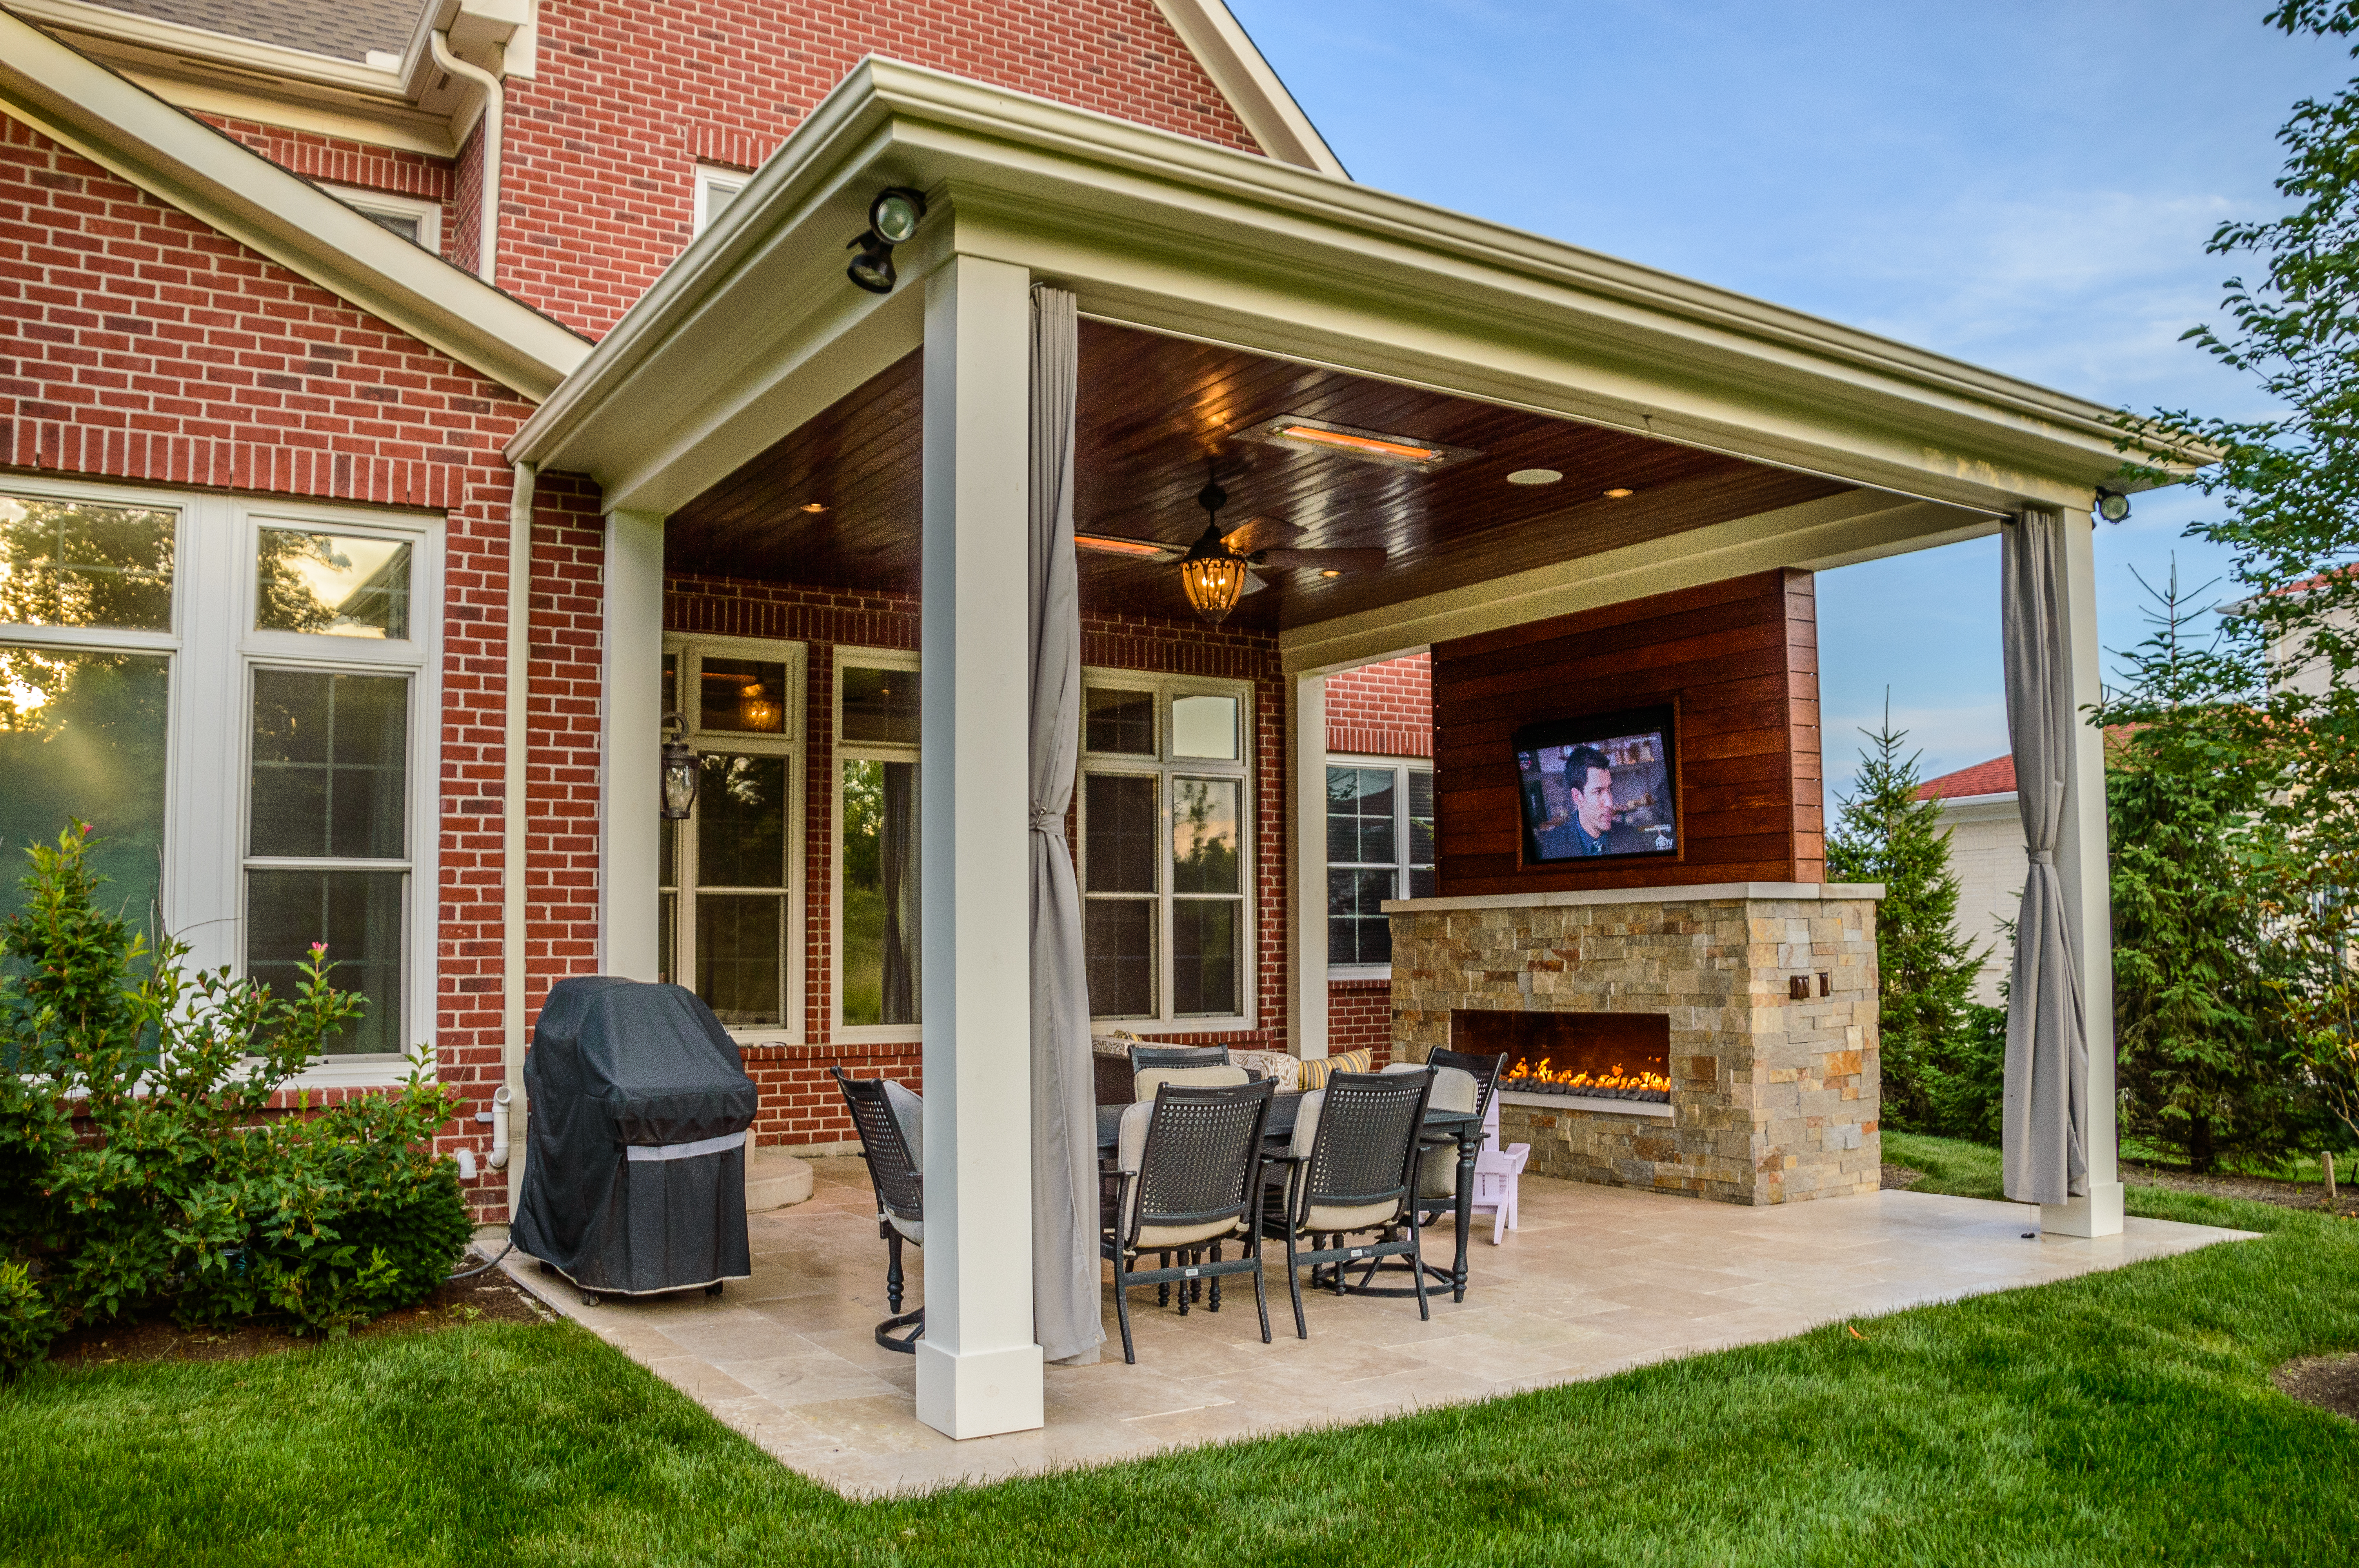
(2044, 1135)
(1065, 1313)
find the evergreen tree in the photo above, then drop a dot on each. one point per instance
(1933, 1051)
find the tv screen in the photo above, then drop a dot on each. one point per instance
(1597, 787)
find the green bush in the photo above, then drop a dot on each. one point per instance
(26, 1324)
(184, 1197)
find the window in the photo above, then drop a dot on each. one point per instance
(1167, 872)
(877, 973)
(715, 189)
(1379, 846)
(729, 924)
(418, 222)
(253, 677)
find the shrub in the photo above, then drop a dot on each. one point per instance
(185, 1198)
(26, 1324)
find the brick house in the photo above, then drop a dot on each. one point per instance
(406, 411)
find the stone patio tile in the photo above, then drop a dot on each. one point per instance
(795, 1381)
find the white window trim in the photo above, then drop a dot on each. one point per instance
(841, 752)
(375, 202)
(1401, 767)
(209, 652)
(793, 743)
(716, 179)
(1165, 764)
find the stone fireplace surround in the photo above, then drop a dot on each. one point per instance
(1774, 1096)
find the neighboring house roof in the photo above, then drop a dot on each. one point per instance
(341, 30)
(180, 160)
(1994, 777)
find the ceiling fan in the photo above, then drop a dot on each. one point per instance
(1217, 570)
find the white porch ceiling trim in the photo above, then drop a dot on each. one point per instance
(1815, 536)
(185, 163)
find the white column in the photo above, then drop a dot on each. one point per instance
(979, 1370)
(630, 740)
(1306, 866)
(2087, 903)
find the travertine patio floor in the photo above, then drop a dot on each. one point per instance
(1597, 1280)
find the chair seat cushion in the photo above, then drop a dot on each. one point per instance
(1151, 1236)
(912, 1230)
(1151, 1078)
(1349, 1216)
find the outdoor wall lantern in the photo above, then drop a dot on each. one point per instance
(2113, 506)
(681, 771)
(893, 217)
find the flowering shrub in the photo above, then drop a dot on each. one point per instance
(183, 1198)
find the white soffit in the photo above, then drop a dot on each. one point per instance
(1238, 67)
(188, 165)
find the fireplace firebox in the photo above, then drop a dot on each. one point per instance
(1594, 1055)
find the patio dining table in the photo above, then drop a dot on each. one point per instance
(1464, 1128)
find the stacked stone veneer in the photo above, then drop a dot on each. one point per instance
(1773, 1099)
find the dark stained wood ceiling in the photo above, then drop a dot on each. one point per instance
(1154, 410)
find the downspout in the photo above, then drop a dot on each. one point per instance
(487, 235)
(510, 1100)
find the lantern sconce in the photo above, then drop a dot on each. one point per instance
(681, 772)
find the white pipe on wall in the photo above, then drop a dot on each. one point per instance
(487, 233)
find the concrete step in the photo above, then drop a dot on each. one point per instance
(775, 1180)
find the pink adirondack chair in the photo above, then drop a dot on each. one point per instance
(1496, 1171)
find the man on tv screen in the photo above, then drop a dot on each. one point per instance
(1590, 828)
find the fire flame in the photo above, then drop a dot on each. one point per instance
(1613, 1077)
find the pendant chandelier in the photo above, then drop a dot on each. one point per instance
(1212, 574)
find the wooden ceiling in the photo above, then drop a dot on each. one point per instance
(1154, 410)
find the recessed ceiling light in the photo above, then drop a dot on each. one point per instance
(1620, 492)
(814, 507)
(1534, 476)
(1329, 571)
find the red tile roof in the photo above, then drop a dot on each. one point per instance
(1994, 777)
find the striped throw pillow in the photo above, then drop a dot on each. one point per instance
(1315, 1074)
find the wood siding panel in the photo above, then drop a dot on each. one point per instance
(1740, 659)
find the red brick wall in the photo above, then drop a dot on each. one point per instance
(599, 184)
(1383, 710)
(1359, 1015)
(341, 162)
(800, 1106)
(144, 346)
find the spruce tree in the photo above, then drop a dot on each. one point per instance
(1924, 973)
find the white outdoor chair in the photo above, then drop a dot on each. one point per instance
(1495, 1170)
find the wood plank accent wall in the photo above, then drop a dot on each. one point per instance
(1740, 660)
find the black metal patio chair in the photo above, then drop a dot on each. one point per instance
(1186, 1177)
(1434, 1196)
(1352, 1169)
(888, 1119)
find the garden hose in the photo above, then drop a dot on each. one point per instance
(483, 1268)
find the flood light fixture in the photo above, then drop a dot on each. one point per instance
(893, 217)
(2113, 506)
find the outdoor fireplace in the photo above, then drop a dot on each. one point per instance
(1594, 1055)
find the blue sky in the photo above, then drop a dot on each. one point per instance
(2024, 186)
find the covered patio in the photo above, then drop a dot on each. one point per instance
(772, 449)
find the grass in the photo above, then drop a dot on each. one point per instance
(2124, 1417)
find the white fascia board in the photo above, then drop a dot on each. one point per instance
(250, 55)
(188, 165)
(1978, 808)
(1180, 236)
(1238, 68)
(1857, 525)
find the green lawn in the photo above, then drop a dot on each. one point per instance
(2121, 1418)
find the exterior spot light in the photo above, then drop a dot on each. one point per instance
(1620, 492)
(680, 772)
(2113, 506)
(1534, 476)
(893, 217)
(896, 214)
(1212, 574)
(814, 507)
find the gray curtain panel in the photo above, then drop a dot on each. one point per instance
(1065, 1296)
(2044, 1135)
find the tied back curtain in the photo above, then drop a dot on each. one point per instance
(2044, 1132)
(1065, 1312)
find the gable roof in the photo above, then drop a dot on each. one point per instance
(180, 160)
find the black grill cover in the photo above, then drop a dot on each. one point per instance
(617, 1065)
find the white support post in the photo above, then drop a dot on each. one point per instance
(979, 1369)
(1306, 866)
(2081, 869)
(630, 740)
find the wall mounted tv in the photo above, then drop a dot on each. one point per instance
(1601, 786)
